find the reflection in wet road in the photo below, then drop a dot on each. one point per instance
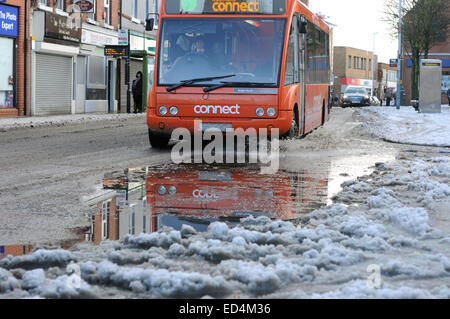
(147, 199)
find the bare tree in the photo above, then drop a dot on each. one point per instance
(425, 23)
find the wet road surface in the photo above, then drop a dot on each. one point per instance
(54, 179)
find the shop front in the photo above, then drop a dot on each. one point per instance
(9, 18)
(96, 78)
(56, 46)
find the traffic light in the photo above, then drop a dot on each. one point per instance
(385, 89)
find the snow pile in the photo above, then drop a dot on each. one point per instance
(7, 281)
(157, 282)
(40, 258)
(60, 120)
(359, 289)
(407, 126)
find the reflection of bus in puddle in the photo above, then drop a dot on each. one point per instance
(145, 200)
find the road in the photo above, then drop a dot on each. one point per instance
(46, 170)
(389, 211)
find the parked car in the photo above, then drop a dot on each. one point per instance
(355, 97)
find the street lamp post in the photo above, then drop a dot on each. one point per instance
(400, 56)
(373, 65)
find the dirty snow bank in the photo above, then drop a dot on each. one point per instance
(60, 120)
(407, 126)
(327, 255)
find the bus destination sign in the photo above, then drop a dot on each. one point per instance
(225, 7)
(116, 50)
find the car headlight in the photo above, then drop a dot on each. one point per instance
(162, 190)
(162, 110)
(271, 112)
(173, 110)
(260, 111)
(172, 190)
(345, 97)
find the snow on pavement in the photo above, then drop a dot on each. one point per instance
(394, 232)
(9, 123)
(408, 126)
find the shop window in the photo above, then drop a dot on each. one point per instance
(6, 73)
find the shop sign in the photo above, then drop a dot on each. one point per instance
(98, 39)
(9, 21)
(61, 28)
(84, 6)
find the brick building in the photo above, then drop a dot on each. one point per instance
(353, 67)
(70, 73)
(14, 50)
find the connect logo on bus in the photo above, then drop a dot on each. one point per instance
(217, 109)
(197, 193)
(235, 6)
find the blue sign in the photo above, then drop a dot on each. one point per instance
(9, 21)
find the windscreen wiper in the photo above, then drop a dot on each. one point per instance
(240, 84)
(188, 82)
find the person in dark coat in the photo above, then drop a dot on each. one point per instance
(137, 92)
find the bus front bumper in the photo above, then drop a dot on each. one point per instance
(165, 125)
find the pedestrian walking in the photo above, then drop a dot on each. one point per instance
(448, 96)
(388, 97)
(137, 92)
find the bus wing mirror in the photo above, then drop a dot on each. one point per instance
(302, 27)
(149, 24)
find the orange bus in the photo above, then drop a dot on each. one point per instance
(238, 64)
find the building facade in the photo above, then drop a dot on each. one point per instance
(387, 79)
(353, 67)
(142, 46)
(14, 48)
(69, 71)
(440, 51)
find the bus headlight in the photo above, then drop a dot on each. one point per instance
(162, 110)
(172, 190)
(260, 111)
(271, 112)
(162, 190)
(173, 110)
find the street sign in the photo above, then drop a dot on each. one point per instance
(123, 37)
(393, 63)
(117, 50)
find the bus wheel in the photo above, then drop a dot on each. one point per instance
(292, 133)
(158, 140)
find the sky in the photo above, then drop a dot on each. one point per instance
(357, 21)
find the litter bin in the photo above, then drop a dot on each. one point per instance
(430, 86)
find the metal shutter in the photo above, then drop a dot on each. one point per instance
(53, 84)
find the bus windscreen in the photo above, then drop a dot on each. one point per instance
(249, 49)
(225, 6)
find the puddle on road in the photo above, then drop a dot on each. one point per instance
(145, 199)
